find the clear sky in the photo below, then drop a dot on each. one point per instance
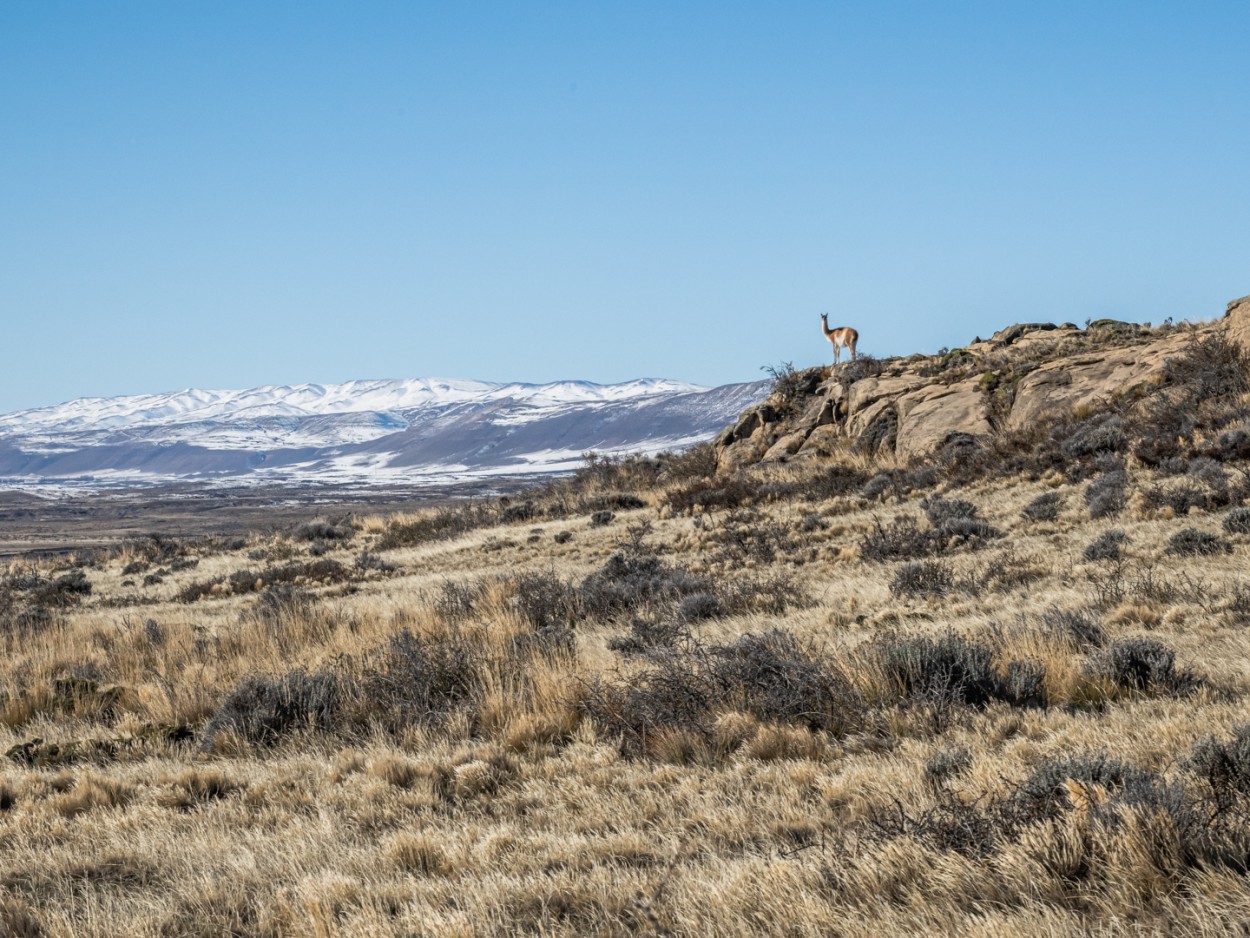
(232, 194)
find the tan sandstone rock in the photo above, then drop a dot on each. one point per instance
(1060, 386)
(928, 416)
(1237, 322)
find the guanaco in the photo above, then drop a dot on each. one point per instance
(842, 336)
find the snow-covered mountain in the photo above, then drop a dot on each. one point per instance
(361, 432)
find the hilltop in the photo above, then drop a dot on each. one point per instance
(810, 678)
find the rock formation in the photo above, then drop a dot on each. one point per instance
(1023, 374)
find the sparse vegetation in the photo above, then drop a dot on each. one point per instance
(833, 694)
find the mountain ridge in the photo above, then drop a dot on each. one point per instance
(364, 431)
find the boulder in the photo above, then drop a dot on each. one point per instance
(788, 445)
(1237, 322)
(928, 417)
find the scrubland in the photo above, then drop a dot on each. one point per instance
(998, 691)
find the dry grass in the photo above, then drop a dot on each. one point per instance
(462, 778)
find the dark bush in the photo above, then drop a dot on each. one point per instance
(1190, 542)
(699, 606)
(262, 710)
(946, 763)
(63, 591)
(1225, 766)
(563, 537)
(321, 530)
(600, 518)
(457, 599)
(544, 601)
(922, 578)
(1045, 790)
(1043, 508)
(948, 669)
(1102, 433)
(944, 510)
(1107, 495)
(1237, 521)
(1143, 664)
(633, 580)
(1106, 546)
(419, 679)
(904, 539)
(645, 636)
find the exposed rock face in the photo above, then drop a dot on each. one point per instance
(1023, 374)
(1237, 322)
(1060, 386)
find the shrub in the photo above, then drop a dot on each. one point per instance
(949, 669)
(63, 591)
(1190, 542)
(771, 676)
(600, 518)
(262, 710)
(1045, 790)
(563, 537)
(923, 578)
(1043, 508)
(1237, 521)
(944, 510)
(904, 539)
(1106, 546)
(1143, 664)
(632, 580)
(946, 763)
(419, 679)
(322, 530)
(545, 601)
(1102, 433)
(1106, 495)
(1225, 766)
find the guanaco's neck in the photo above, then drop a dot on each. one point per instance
(824, 325)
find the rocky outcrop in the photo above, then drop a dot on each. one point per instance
(1237, 322)
(1065, 384)
(1023, 374)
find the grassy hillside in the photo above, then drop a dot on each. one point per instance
(1000, 690)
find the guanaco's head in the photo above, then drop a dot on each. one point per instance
(824, 317)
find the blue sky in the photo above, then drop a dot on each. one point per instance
(232, 194)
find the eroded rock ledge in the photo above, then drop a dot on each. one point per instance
(1023, 374)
